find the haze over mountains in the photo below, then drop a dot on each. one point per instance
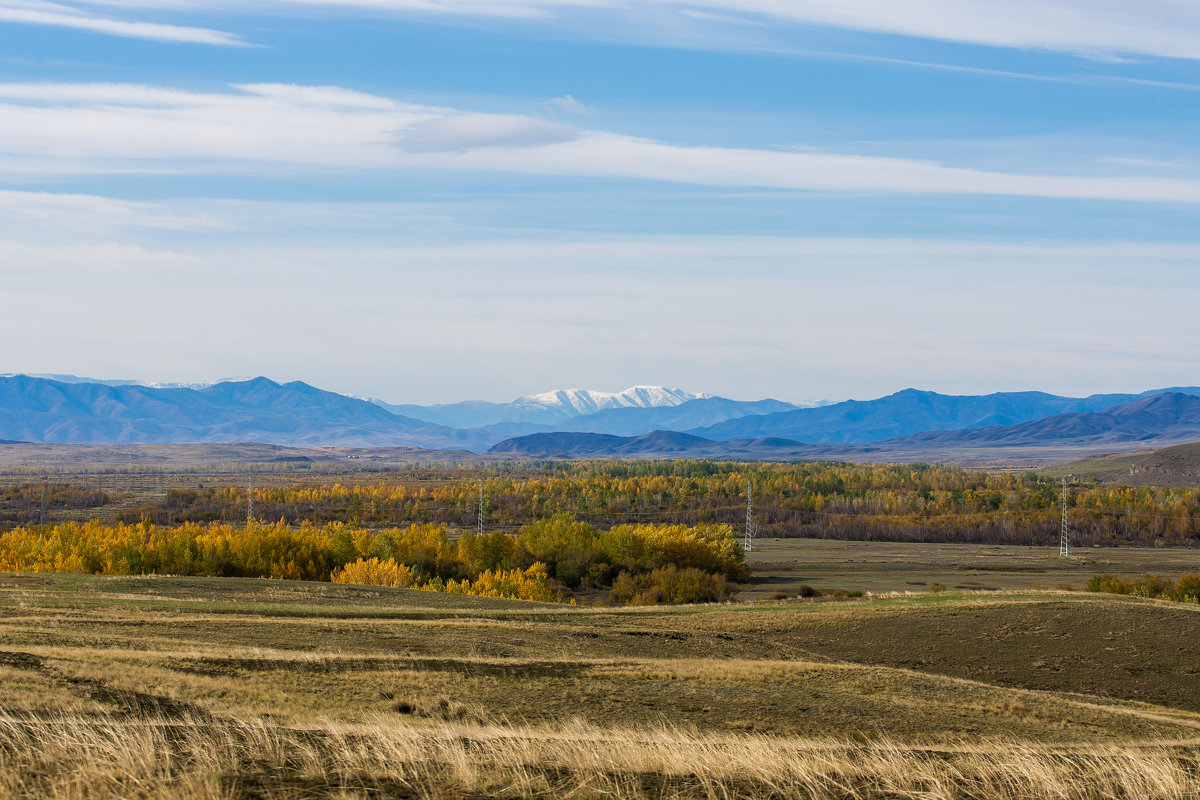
(640, 421)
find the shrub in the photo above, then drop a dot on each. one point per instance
(373, 572)
(670, 584)
(1187, 590)
(529, 584)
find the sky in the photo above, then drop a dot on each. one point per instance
(427, 201)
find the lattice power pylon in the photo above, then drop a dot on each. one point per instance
(479, 519)
(749, 545)
(1064, 536)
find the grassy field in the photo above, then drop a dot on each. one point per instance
(173, 687)
(784, 565)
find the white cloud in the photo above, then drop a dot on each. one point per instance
(89, 128)
(571, 106)
(63, 16)
(724, 19)
(83, 215)
(458, 133)
(1100, 28)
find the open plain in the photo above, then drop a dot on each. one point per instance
(209, 687)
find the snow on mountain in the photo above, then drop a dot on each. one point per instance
(578, 402)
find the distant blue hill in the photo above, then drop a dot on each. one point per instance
(259, 410)
(656, 444)
(1168, 417)
(637, 421)
(1160, 419)
(34, 409)
(909, 412)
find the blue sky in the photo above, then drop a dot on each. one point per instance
(430, 200)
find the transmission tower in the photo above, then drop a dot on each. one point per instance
(1064, 536)
(749, 517)
(479, 519)
(250, 501)
(42, 508)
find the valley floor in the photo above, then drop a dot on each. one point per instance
(241, 688)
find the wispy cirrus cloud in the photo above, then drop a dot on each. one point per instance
(461, 133)
(1101, 28)
(59, 15)
(570, 105)
(95, 128)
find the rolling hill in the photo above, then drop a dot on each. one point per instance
(657, 444)
(1175, 466)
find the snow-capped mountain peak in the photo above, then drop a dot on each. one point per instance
(589, 401)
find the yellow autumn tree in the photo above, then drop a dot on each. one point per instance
(373, 572)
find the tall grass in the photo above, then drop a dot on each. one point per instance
(79, 757)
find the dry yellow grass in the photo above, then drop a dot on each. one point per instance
(75, 757)
(174, 688)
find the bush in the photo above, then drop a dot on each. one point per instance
(373, 572)
(1187, 590)
(529, 584)
(670, 584)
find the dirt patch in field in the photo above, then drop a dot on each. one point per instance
(1132, 650)
(505, 669)
(7, 581)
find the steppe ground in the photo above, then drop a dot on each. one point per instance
(785, 565)
(194, 687)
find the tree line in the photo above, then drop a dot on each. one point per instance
(544, 560)
(897, 502)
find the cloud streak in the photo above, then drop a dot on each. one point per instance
(63, 16)
(96, 128)
(1101, 28)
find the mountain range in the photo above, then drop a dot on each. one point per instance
(1159, 419)
(546, 408)
(910, 411)
(642, 420)
(44, 410)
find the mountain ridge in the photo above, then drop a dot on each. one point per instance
(1166, 417)
(656, 444)
(1163, 417)
(259, 409)
(544, 408)
(298, 414)
(908, 412)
